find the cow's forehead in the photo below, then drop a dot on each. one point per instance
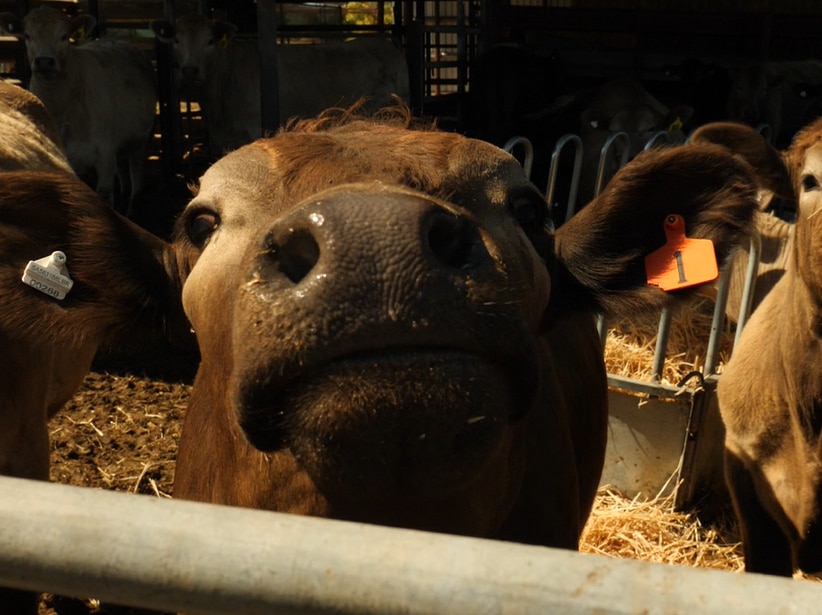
(296, 165)
(193, 27)
(812, 161)
(246, 171)
(44, 22)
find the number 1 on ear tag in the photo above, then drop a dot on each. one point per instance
(682, 261)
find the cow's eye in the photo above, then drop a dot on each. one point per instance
(531, 212)
(200, 225)
(809, 182)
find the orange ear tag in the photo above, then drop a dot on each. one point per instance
(682, 261)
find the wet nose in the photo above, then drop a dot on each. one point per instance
(44, 63)
(190, 72)
(388, 234)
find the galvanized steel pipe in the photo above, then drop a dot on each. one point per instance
(527, 152)
(202, 559)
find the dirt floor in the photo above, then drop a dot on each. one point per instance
(120, 432)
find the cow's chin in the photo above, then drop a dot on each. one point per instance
(49, 77)
(390, 424)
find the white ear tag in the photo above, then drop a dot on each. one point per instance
(49, 275)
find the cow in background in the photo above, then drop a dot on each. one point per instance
(703, 85)
(770, 392)
(101, 96)
(513, 91)
(623, 105)
(223, 72)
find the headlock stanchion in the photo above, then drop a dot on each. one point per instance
(553, 171)
(605, 154)
(748, 289)
(195, 558)
(660, 138)
(527, 152)
(766, 131)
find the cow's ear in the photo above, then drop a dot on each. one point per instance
(123, 278)
(11, 24)
(589, 120)
(749, 145)
(601, 250)
(678, 117)
(82, 28)
(164, 30)
(223, 32)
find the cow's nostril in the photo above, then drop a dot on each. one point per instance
(453, 240)
(296, 256)
(43, 63)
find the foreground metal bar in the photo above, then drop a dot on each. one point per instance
(181, 556)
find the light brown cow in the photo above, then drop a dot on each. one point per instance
(101, 96)
(29, 138)
(222, 71)
(770, 394)
(390, 329)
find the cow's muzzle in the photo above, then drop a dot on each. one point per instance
(387, 338)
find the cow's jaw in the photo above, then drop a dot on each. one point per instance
(390, 421)
(50, 78)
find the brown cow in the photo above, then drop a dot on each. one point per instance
(390, 330)
(46, 346)
(770, 395)
(776, 234)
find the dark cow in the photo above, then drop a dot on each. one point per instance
(101, 96)
(222, 71)
(623, 105)
(513, 90)
(776, 94)
(770, 395)
(705, 86)
(390, 330)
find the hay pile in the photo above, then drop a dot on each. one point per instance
(630, 344)
(652, 530)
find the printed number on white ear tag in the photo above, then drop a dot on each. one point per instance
(49, 275)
